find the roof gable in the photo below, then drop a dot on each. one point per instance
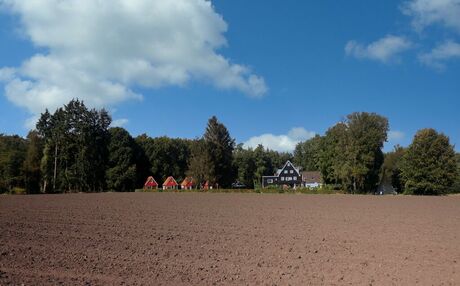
(287, 166)
(150, 182)
(187, 182)
(170, 182)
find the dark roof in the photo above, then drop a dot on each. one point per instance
(311, 177)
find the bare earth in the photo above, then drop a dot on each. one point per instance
(240, 239)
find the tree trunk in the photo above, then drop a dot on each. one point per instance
(55, 166)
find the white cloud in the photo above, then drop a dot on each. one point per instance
(281, 143)
(384, 50)
(395, 135)
(443, 52)
(119, 122)
(428, 12)
(100, 51)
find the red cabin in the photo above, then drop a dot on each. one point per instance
(187, 183)
(150, 183)
(170, 184)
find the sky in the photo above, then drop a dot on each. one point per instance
(274, 72)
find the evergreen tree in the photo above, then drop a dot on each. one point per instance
(429, 164)
(32, 168)
(166, 156)
(244, 163)
(220, 148)
(121, 168)
(75, 153)
(200, 166)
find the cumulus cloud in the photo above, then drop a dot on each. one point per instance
(384, 50)
(436, 58)
(281, 143)
(119, 122)
(100, 51)
(428, 12)
(395, 135)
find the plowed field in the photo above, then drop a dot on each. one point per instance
(240, 239)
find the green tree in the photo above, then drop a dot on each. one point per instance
(13, 151)
(121, 168)
(391, 169)
(75, 153)
(429, 165)
(306, 154)
(244, 162)
(201, 165)
(166, 156)
(456, 186)
(351, 152)
(143, 164)
(333, 155)
(368, 133)
(220, 148)
(32, 168)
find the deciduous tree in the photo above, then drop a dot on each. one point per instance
(429, 166)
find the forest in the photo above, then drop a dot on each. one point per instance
(74, 149)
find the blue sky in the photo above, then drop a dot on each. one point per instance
(274, 72)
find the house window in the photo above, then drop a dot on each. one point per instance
(270, 181)
(285, 171)
(291, 171)
(295, 178)
(282, 178)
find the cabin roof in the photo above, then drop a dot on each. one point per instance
(170, 182)
(150, 182)
(187, 182)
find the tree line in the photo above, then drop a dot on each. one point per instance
(74, 149)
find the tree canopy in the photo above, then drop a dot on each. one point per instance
(74, 150)
(429, 164)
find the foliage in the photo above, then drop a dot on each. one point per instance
(391, 169)
(121, 167)
(166, 156)
(200, 164)
(75, 152)
(351, 152)
(252, 164)
(32, 172)
(220, 148)
(456, 186)
(13, 151)
(429, 164)
(73, 149)
(245, 165)
(306, 154)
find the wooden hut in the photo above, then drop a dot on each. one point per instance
(207, 186)
(170, 184)
(187, 183)
(150, 184)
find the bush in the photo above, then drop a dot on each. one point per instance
(17, 191)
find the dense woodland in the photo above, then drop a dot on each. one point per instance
(75, 150)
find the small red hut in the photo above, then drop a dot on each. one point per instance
(187, 183)
(150, 183)
(170, 184)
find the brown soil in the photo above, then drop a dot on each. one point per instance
(253, 239)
